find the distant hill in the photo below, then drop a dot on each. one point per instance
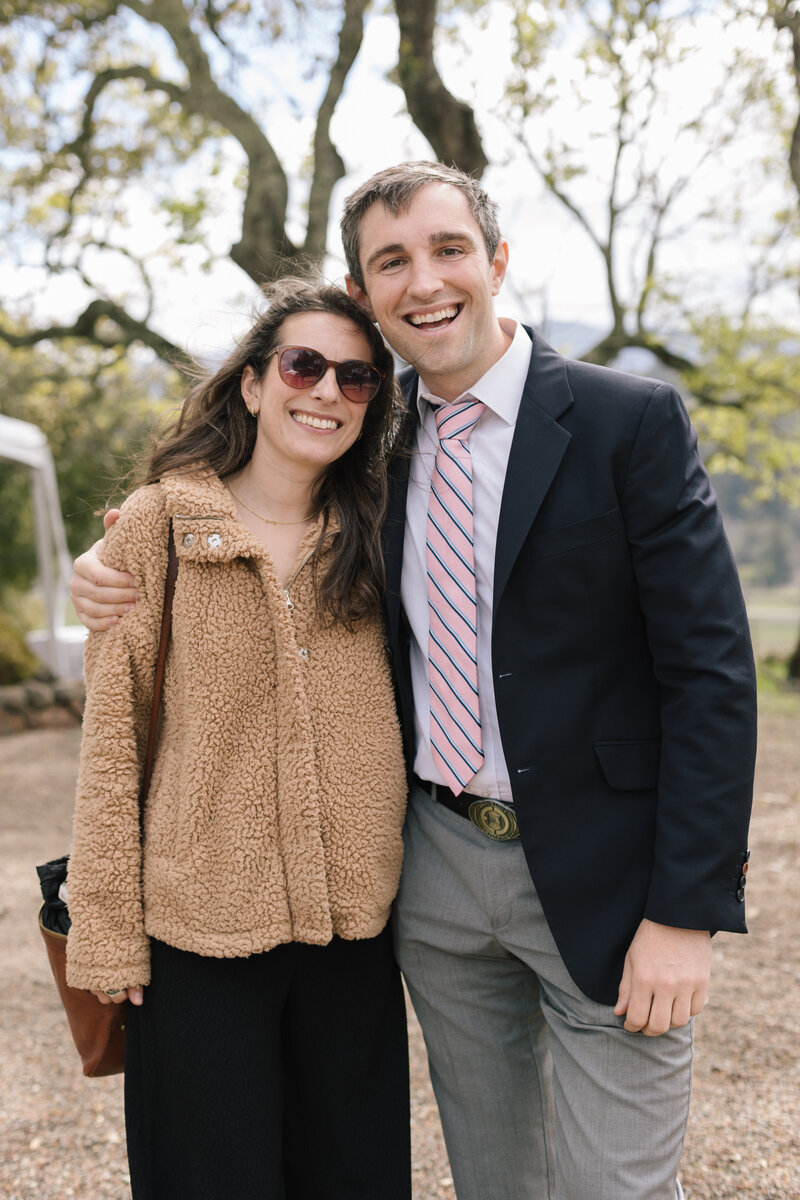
(573, 338)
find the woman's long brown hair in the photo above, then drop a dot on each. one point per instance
(215, 428)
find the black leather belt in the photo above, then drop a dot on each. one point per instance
(496, 820)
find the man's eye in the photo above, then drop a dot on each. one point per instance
(390, 263)
(451, 251)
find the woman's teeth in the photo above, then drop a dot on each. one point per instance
(315, 422)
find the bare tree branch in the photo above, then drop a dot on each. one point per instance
(786, 16)
(448, 124)
(607, 349)
(328, 165)
(552, 185)
(90, 326)
(609, 346)
(263, 246)
(133, 259)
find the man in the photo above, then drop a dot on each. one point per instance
(576, 685)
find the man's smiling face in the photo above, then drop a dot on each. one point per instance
(429, 283)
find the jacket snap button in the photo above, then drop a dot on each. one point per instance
(188, 539)
(214, 540)
(303, 652)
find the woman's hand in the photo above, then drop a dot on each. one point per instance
(134, 994)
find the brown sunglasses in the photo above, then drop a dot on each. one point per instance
(301, 367)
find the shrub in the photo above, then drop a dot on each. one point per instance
(16, 660)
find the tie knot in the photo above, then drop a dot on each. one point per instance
(457, 420)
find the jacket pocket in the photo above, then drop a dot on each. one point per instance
(564, 538)
(630, 766)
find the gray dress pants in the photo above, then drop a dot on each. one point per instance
(542, 1093)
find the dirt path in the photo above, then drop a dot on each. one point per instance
(62, 1136)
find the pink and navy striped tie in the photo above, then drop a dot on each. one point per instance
(452, 603)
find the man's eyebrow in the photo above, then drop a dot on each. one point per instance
(392, 248)
(459, 235)
(435, 239)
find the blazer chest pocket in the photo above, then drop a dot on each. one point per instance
(630, 766)
(564, 538)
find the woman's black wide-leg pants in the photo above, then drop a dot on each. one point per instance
(283, 1076)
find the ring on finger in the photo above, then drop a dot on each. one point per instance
(115, 992)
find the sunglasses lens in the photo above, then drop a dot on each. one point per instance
(359, 381)
(299, 367)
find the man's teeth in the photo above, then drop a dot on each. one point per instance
(432, 318)
(315, 422)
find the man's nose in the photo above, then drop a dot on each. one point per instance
(425, 278)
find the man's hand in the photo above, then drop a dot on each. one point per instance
(101, 595)
(665, 978)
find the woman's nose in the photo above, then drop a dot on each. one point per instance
(326, 386)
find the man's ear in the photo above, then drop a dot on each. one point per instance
(359, 295)
(499, 266)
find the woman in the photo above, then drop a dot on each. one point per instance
(266, 1051)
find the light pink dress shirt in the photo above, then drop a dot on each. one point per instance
(500, 389)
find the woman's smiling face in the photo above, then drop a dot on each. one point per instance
(307, 428)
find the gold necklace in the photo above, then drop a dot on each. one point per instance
(267, 520)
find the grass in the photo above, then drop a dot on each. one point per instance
(776, 697)
(774, 619)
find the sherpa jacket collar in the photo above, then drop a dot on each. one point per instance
(206, 524)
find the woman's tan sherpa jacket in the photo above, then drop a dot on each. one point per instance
(278, 793)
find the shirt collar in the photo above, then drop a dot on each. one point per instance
(501, 388)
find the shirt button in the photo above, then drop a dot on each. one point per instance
(214, 540)
(188, 539)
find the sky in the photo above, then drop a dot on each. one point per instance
(554, 269)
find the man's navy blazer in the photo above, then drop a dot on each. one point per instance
(622, 664)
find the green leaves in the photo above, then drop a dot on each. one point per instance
(753, 367)
(97, 411)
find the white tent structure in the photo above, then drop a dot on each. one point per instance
(60, 646)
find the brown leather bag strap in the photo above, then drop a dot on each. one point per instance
(158, 682)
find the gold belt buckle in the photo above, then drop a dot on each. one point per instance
(496, 820)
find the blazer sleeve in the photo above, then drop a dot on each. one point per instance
(107, 946)
(699, 639)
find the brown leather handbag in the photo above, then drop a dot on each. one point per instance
(98, 1030)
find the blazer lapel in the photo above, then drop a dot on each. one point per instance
(394, 528)
(536, 452)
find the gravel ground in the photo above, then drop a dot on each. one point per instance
(62, 1136)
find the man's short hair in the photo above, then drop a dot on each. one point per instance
(396, 187)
